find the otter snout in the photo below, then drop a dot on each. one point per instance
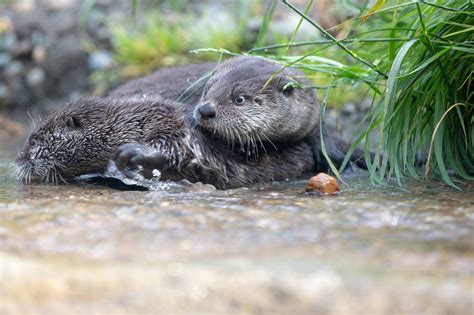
(207, 111)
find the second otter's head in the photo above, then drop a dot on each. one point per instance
(240, 105)
(80, 138)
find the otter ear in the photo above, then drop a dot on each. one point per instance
(72, 122)
(289, 87)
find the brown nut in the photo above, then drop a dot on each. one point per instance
(323, 183)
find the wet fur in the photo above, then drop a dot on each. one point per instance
(275, 136)
(104, 125)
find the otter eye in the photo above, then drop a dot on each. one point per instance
(239, 100)
(33, 143)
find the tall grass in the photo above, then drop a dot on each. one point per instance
(416, 59)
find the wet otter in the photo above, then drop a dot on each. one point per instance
(244, 129)
(85, 134)
(239, 105)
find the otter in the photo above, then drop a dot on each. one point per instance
(84, 135)
(243, 129)
(247, 102)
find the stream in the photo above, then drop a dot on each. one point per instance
(90, 249)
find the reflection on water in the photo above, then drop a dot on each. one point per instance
(91, 249)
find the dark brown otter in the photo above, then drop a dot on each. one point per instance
(244, 129)
(249, 103)
(84, 135)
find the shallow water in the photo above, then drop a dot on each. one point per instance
(88, 249)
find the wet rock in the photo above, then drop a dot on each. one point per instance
(59, 4)
(7, 42)
(19, 94)
(4, 59)
(24, 5)
(349, 108)
(23, 48)
(39, 54)
(100, 60)
(3, 92)
(35, 77)
(15, 68)
(365, 105)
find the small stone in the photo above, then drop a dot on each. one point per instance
(366, 104)
(23, 47)
(8, 42)
(323, 183)
(13, 69)
(3, 92)
(39, 54)
(4, 59)
(38, 38)
(35, 77)
(24, 5)
(348, 108)
(59, 4)
(100, 60)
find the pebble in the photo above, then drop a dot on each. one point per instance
(4, 59)
(35, 76)
(366, 104)
(39, 54)
(100, 60)
(8, 41)
(13, 69)
(23, 47)
(348, 108)
(3, 92)
(59, 4)
(323, 183)
(24, 5)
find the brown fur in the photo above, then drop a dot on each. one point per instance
(84, 135)
(272, 135)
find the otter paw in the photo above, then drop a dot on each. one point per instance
(134, 156)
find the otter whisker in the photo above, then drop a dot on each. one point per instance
(29, 173)
(261, 143)
(62, 178)
(31, 118)
(270, 141)
(25, 175)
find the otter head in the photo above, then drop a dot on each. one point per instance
(250, 101)
(70, 142)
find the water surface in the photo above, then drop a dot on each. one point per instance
(89, 249)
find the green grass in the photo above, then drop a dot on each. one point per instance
(416, 59)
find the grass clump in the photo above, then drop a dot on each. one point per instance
(416, 60)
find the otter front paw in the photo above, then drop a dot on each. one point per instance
(138, 157)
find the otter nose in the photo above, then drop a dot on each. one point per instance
(207, 111)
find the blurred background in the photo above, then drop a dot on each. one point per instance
(57, 49)
(52, 51)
